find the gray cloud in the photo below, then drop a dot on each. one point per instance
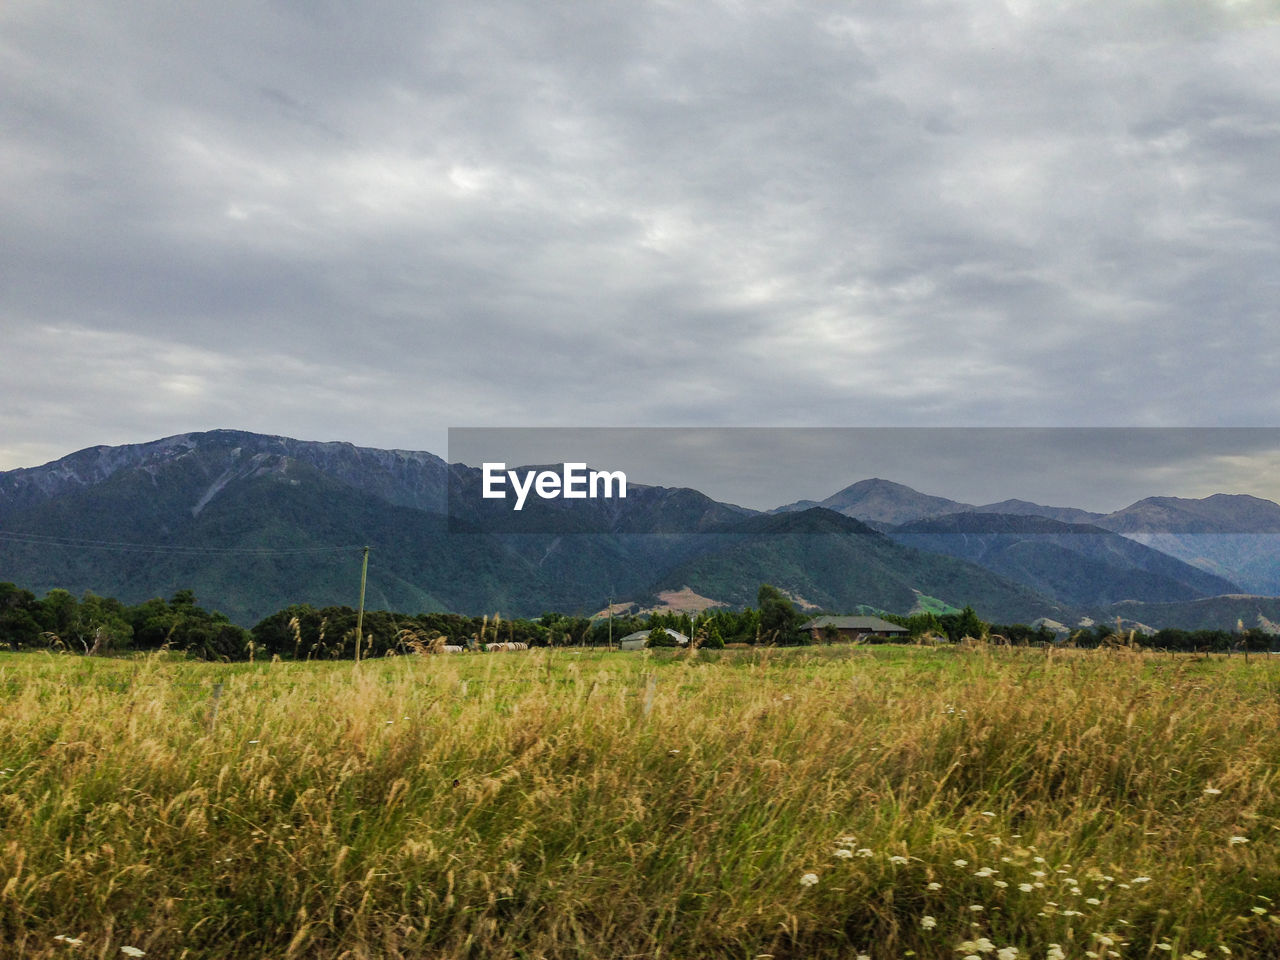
(375, 224)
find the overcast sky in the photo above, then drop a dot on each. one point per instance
(372, 222)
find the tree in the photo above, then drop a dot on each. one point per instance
(658, 637)
(18, 624)
(57, 614)
(100, 624)
(967, 624)
(711, 639)
(779, 619)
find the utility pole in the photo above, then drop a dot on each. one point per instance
(364, 573)
(611, 623)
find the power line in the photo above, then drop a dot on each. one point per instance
(179, 549)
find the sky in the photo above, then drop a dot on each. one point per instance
(377, 222)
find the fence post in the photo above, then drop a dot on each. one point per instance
(649, 692)
(213, 704)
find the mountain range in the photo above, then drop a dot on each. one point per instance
(254, 523)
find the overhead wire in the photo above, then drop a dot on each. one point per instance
(121, 546)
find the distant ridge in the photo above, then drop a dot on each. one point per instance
(1220, 513)
(1077, 564)
(254, 522)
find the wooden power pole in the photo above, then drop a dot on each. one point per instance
(364, 574)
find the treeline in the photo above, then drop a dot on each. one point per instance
(1173, 639)
(92, 624)
(955, 627)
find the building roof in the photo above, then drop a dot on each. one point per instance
(644, 635)
(867, 624)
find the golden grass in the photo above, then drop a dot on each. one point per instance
(592, 804)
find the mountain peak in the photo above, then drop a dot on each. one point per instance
(885, 501)
(1219, 513)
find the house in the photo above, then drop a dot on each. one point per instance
(636, 641)
(852, 629)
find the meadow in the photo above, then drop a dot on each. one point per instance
(881, 802)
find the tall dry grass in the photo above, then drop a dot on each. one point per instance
(568, 804)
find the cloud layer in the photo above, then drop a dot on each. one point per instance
(372, 224)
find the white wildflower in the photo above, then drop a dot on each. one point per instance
(865, 852)
(1007, 953)
(1055, 953)
(132, 952)
(960, 863)
(898, 859)
(69, 941)
(1025, 887)
(1093, 902)
(974, 947)
(928, 923)
(934, 885)
(844, 853)
(1236, 840)
(808, 880)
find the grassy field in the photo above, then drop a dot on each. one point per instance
(887, 801)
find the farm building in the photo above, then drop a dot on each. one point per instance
(636, 641)
(851, 629)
